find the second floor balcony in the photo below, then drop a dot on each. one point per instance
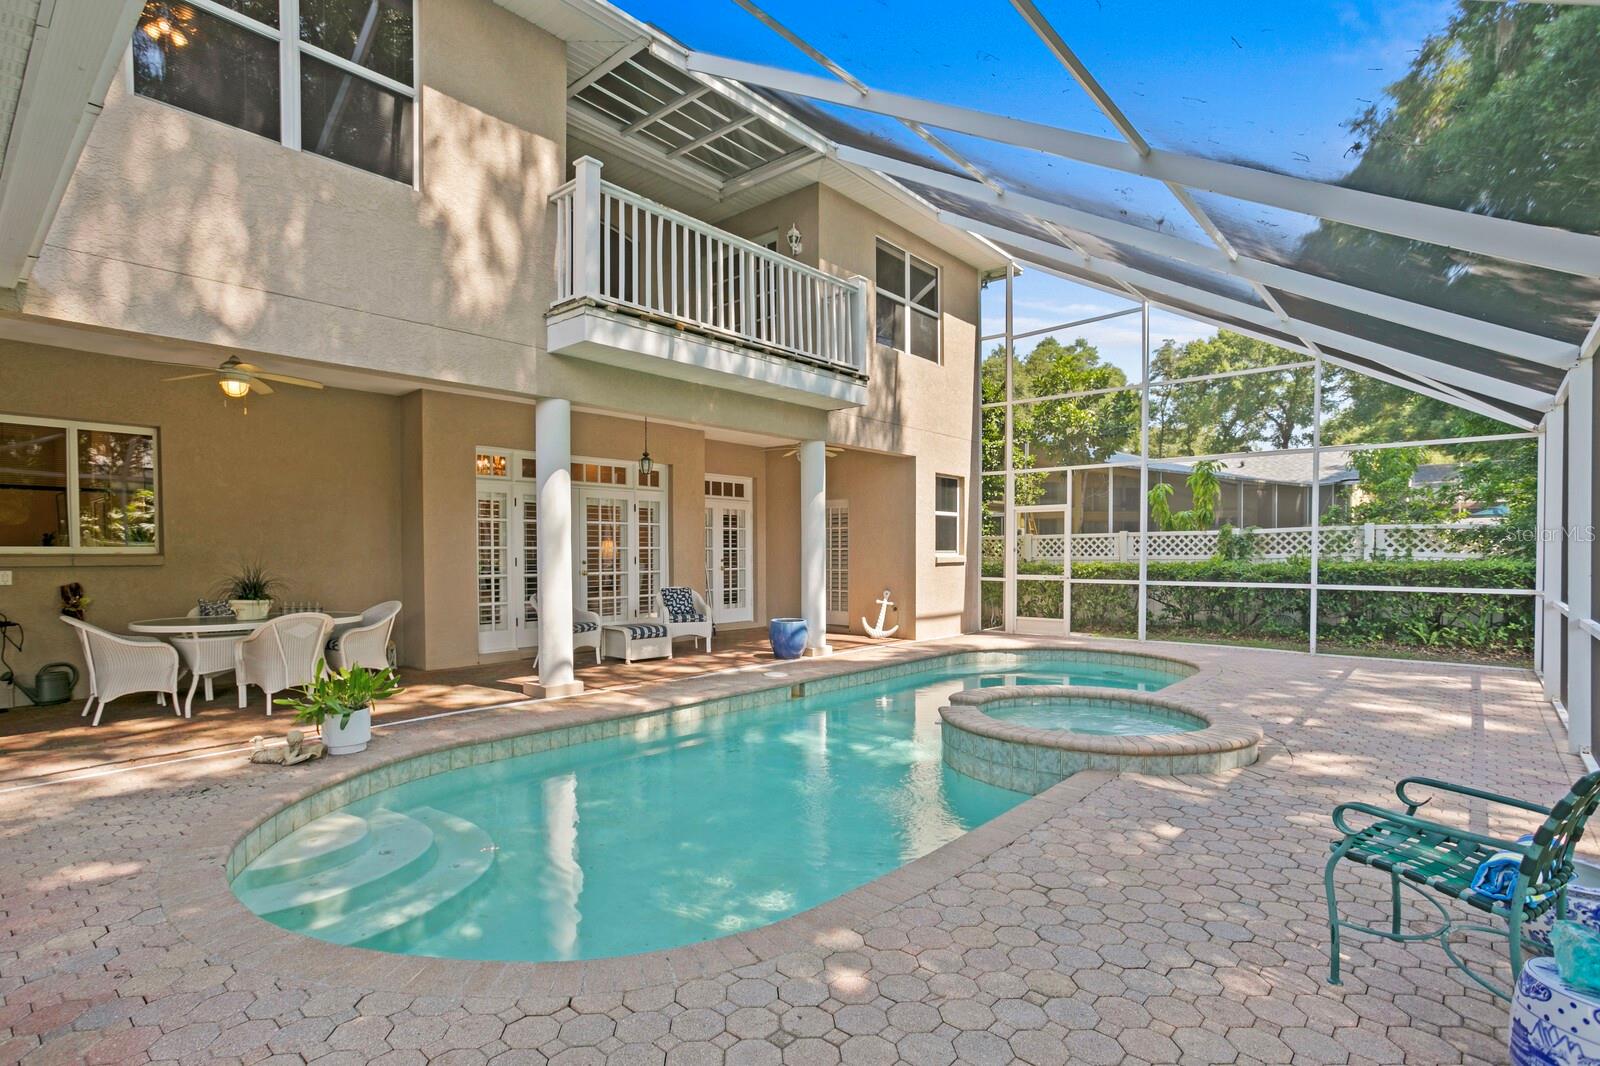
(642, 286)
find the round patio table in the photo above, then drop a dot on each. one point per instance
(201, 641)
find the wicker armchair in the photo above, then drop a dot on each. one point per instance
(282, 654)
(119, 665)
(364, 643)
(685, 614)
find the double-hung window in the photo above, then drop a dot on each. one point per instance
(76, 486)
(947, 516)
(908, 303)
(334, 77)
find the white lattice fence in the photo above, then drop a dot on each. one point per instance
(1341, 542)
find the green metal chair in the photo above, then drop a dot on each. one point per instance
(1425, 855)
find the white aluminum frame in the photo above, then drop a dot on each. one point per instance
(74, 533)
(1010, 525)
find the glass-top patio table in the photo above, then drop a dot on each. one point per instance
(204, 657)
(216, 625)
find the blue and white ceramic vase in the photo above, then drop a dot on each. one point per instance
(1551, 1024)
(1583, 904)
(788, 636)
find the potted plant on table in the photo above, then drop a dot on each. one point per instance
(339, 703)
(249, 592)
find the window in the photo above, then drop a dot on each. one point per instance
(69, 486)
(946, 515)
(908, 303)
(332, 77)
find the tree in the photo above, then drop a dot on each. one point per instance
(1204, 489)
(1497, 115)
(1248, 413)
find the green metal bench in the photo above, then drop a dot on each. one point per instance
(1430, 856)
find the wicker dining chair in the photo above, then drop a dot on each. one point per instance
(120, 665)
(282, 654)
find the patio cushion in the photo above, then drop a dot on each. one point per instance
(679, 601)
(645, 630)
(213, 608)
(584, 627)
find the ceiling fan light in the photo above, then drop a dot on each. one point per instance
(234, 388)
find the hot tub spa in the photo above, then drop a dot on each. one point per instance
(1028, 738)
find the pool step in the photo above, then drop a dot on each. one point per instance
(428, 902)
(399, 849)
(330, 841)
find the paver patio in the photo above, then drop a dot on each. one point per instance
(1114, 919)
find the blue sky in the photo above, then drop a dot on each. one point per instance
(1257, 80)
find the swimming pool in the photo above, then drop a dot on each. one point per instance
(657, 839)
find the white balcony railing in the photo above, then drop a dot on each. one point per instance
(619, 249)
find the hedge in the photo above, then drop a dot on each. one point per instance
(1418, 621)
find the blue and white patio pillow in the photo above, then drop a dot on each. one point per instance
(679, 602)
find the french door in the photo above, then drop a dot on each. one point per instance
(507, 555)
(728, 585)
(605, 549)
(621, 552)
(838, 563)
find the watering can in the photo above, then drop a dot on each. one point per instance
(51, 685)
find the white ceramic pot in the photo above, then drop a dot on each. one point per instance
(250, 610)
(350, 738)
(1583, 903)
(1552, 1024)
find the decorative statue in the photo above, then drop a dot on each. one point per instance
(294, 749)
(884, 603)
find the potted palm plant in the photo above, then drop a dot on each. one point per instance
(249, 592)
(339, 703)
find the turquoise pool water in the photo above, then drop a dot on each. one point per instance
(1094, 719)
(637, 844)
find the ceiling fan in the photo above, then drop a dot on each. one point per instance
(236, 379)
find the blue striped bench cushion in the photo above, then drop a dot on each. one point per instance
(645, 630)
(584, 627)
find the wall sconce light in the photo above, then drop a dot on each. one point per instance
(793, 236)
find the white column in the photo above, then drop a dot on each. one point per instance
(1552, 491)
(1580, 555)
(814, 545)
(552, 431)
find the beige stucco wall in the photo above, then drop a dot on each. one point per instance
(308, 484)
(178, 226)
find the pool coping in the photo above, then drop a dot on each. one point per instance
(1033, 759)
(194, 889)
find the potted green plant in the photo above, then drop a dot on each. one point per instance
(339, 703)
(249, 592)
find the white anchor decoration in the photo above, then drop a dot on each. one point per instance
(884, 603)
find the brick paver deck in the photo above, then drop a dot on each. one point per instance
(1114, 919)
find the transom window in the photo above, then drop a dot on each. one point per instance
(334, 77)
(726, 488)
(76, 486)
(908, 303)
(947, 515)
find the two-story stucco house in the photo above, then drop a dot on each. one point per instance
(520, 247)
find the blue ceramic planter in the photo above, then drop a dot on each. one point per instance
(788, 636)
